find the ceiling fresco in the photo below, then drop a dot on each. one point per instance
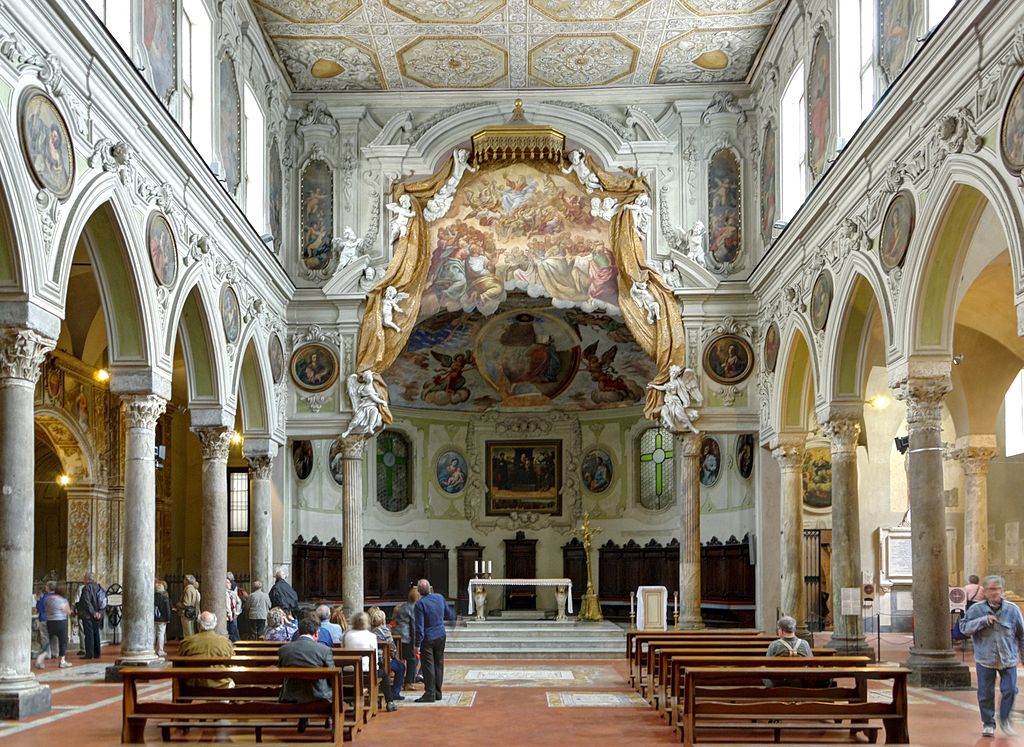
(344, 45)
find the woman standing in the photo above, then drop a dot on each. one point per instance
(162, 615)
(188, 606)
(57, 611)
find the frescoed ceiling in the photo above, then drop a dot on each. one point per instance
(344, 45)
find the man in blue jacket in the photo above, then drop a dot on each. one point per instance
(997, 627)
(431, 612)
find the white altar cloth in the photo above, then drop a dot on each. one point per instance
(648, 614)
(522, 582)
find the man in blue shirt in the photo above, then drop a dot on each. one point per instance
(431, 612)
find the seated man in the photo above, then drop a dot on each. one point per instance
(207, 643)
(305, 651)
(323, 612)
(787, 644)
(323, 634)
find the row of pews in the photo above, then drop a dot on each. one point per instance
(708, 683)
(252, 702)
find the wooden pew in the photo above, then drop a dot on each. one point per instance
(239, 713)
(639, 662)
(632, 635)
(713, 700)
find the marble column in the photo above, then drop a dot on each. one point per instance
(932, 660)
(141, 412)
(21, 353)
(686, 471)
(847, 630)
(789, 453)
(214, 558)
(261, 467)
(975, 453)
(352, 450)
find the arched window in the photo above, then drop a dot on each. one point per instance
(1013, 417)
(255, 153)
(856, 43)
(792, 132)
(393, 487)
(656, 489)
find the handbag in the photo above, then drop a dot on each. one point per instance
(190, 613)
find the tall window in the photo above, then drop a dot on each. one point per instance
(937, 10)
(255, 154)
(1013, 417)
(793, 134)
(393, 488)
(197, 76)
(117, 17)
(238, 502)
(856, 39)
(655, 449)
(187, 94)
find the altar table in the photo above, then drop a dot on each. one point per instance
(522, 582)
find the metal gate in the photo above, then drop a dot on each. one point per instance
(813, 597)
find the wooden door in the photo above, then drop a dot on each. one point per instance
(520, 562)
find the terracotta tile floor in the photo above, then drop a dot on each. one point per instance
(498, 704)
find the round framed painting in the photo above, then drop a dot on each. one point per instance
(451, 471)
(728, 359)
(162, 252)
(596, 470)
(771, 347)
(821, 300)
(46, 143)
(314, 367)
(745, 455)
(302, 458)
(1011, 132)
(710, 461)
(275, 352)
(897, 228)
(230, 314)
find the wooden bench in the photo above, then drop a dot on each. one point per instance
(230, 711)
(713, 701)
(640, 661)
(645, 635)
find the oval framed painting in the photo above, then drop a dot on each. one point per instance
(821, 300)
(745, 455)
(275, 352)
(163, 254)
(728, 359)
(710, 461)
(1011, 132)
(302, 458)
(596, 470)
(230, 314)
(336, 462)
(451, 470)
(772, 343)
(46, 143)
(897, 228)
(314, 367)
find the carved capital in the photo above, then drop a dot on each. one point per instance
(974, 459)
(22, 352)
(260, 466)
(923, 397)
(789, 454)
(142, 410)
(215, 443)
(353, 447)
(687, 444)
(843, 433)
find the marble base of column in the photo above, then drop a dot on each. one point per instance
(938, 670)
(21, 704)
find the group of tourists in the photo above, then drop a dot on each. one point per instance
(53, 610)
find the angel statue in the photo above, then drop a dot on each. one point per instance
(603, 209)
(643, 298)
(642, 213)
(460, 165)
(695, 249)
(366, 404)
(682, 395)
(351, 247)
(578, 165)
(670, 274)
(403, 214)
(389, 305)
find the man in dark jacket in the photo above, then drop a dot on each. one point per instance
(282, 594)
(431, 612)
(90, 614)
(305, 651)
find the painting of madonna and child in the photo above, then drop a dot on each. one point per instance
(524, 476)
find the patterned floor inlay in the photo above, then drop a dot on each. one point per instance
(454, 699)
(89, 671)
(533, 676)
(594, 700)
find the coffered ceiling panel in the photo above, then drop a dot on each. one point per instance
(342, 45)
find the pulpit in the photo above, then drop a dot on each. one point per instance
(520, 562)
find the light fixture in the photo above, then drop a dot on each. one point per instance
(236, 438)
(63, 480)
(879, 401)
(102, 374)
(958, 359)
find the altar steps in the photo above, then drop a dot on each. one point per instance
(497, 638)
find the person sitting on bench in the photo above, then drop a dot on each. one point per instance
(787, 644)
(305, 651)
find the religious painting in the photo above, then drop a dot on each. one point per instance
(897, 228)
(230, 314)
(317, 214)
(520, 227)
(54, 381)
(162, 252)
(817, 477)
(524, 477)
(46, 143)
(302, 458)
(724, 234)
(728, 359)
(895, 35)
(821, 300)
(229, 110)
(1011, 134)
(745, 455)
(768, 188)
(819, 104)
(596, 470)
(451, 471)
(275, 192)
(158, 38)
(336, 462)
(772, 343)
(710, 461)
(314, 367)
(275, 353)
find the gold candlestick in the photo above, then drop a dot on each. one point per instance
(676, 616)
(590, 609)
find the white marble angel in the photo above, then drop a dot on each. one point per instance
(403, 214)
(389, 307)
(578, 166)
(644, 299)
(603, 209)
(695, 247)
(460, 165)
(369, 278)
(670, 274)
(351, 246)
(642, 214)
(682, 395)
(366, 404)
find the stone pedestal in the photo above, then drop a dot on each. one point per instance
(686, 455)
(932, 658)
(352, 449)
(561, 597)
(261, 467)
(789, 453)
(975, 453)
(480, 602)
(214, 558)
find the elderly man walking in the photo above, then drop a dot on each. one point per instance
(997, 627)
(257, 606)
(282, 594)
(431, 612)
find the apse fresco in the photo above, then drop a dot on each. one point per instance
(516, 228)
(528, 355)
(724, 206)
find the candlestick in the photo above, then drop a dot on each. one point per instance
(490, 568)
(476, 567)
(675, 602)
(632, 596)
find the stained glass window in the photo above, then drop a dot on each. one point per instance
(393, 492)
(656, 486)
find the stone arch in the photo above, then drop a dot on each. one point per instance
(797, 380)
(70, 443)
(255, 389)
(15, 232)
(193, 321)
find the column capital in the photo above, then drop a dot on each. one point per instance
(215, 443)
(843, 434)
(260, 465)
(923, 396)
(974, 452)
(22, 351)
(142, 410)
(788, 451)
(353, 447)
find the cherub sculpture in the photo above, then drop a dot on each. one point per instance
(695, 249)
(403, 214)
(671, 275)
(578, 166)
(642, 213)
(603, 209)
(389, 306)
(366, 404)
(351, 247)
(682, 396)
(644, 299)
(460, 165)
(369, 278)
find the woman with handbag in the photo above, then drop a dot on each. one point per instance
(161, 616)
(188, 606)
